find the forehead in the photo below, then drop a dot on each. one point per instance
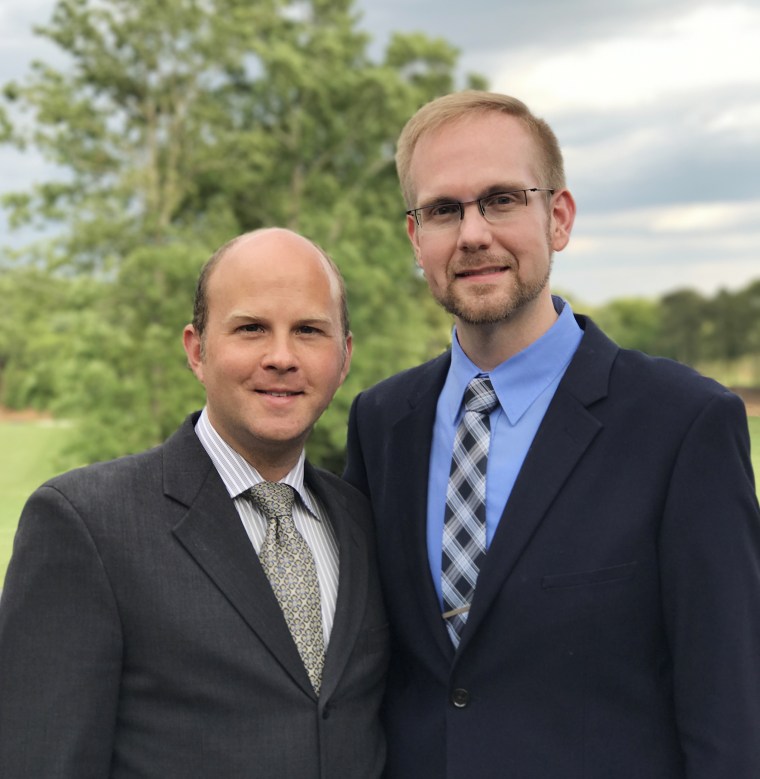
(274, 267)
(466, 157)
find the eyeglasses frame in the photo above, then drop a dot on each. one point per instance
(461, 204)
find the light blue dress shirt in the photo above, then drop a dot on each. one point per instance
(525, 385)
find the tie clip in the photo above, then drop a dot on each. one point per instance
(454, 612)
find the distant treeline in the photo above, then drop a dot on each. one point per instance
(719, 334)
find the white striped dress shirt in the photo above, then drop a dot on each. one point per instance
(309, 515)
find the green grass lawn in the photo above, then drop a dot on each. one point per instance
(754, 431)
(28, 453)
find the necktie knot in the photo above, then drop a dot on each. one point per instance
(274, 499)
(480, 396)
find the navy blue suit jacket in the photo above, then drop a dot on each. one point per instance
(615, 629)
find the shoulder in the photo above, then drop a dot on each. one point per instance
(106, 486)
(132, 474)
(647, 380)
(340, 497)
(125, 468)
(328, 485)
(409, 383)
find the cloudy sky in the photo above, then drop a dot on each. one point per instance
(656, 104)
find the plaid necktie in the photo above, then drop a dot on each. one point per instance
(289, 565)
(464, 527)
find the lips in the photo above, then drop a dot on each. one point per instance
(489, 270)
(480, 272)
(279, 393)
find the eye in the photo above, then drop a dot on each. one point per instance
(311, 330)
(443, 211)
(251, 327)
(503, 201)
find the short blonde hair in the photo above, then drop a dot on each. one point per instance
(459, 105)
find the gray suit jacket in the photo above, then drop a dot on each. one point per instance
(139, 636)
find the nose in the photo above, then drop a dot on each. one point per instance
(280, 355)
(474, 230)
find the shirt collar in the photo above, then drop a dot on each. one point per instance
(522, 378)
(237, 473)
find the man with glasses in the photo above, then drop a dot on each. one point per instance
(568, 532)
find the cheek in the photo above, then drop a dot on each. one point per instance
(228, 366)
(535, 241)
(433, 257)
(328, 372)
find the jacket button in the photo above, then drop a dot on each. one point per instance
(460, 697)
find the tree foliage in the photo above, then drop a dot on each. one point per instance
(175, 125)
(691, 328)
(633, 322)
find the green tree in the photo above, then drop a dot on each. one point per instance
(37, 330)
(634, 323)
(730, 320)
(176, 125)
(684, 326)
(750, 300)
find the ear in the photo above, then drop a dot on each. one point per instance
(347, 361)
(192, 343)
(411, 231)
(561, 218)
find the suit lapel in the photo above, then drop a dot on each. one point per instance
(410, 441)
(352, 580)
(563, 437)
(213, 535)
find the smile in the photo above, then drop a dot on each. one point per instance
(491, 271)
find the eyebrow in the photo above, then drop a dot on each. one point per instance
(490, 190)
(237, 317)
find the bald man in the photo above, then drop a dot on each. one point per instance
(160, 617)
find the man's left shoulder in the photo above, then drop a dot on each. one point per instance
(341, 498)
(330, 484)
(635, 372)
(664, 377)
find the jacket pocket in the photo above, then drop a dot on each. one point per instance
(585, 578)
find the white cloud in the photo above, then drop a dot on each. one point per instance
(712, 46)
(650, 251)
(678, 218)
(598, 284)
(617, 154)
(741, 120)
(708, 217)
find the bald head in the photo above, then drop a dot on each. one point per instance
(269, 241)
(268, 344)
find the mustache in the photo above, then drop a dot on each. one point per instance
(481, 259)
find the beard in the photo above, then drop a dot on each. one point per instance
(484, 305)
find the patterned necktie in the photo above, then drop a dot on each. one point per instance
(289, 565)
(464, 527)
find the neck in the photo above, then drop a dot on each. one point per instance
(490, 344)
(273, 462)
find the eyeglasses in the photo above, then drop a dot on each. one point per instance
(494, 208)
